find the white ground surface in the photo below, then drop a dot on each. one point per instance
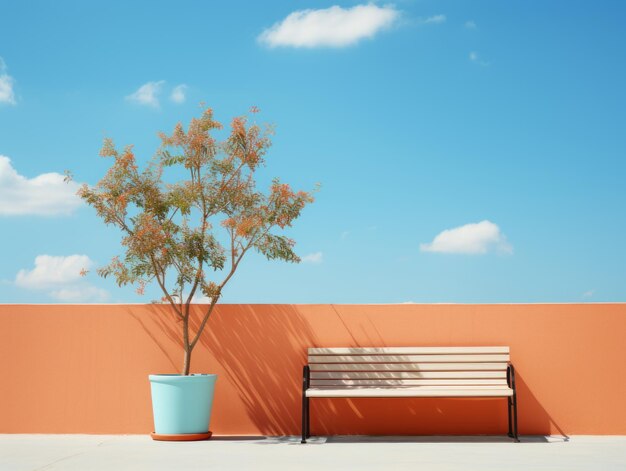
(135, 452)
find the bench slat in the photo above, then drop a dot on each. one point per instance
(408, 382)
(408, 358)
(407, 350)
(406, 374)
(408, 392)
(408, 367)
(442, 387)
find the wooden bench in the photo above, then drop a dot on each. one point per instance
(447, 372)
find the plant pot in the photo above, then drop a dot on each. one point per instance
(181, 406)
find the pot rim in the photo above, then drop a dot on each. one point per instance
(174, 377)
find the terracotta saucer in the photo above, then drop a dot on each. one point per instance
(181, 437)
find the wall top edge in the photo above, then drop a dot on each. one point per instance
(330, 304)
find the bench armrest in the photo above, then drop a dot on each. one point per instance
(306, 377)
(510, 376)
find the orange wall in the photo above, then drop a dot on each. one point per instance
(83, 369)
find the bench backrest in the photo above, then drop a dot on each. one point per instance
(409, 366)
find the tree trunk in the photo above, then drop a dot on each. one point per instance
(187, 361)
(188, 348)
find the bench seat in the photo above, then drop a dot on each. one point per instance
(416, 391)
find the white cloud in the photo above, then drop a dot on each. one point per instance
(344, 235)
(470, 24)
(51, 271)
(475, 57)
(6, 90)
(476, 238)
(61, 277)
(197, 298)
(436, 19)
(45, 194)
(589, 294)
(178, 93)
(201, 299)
(329, 27)
(147, 94)
(315, 258)
(80, 293)
(7, 94)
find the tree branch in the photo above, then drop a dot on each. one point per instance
(158, 268)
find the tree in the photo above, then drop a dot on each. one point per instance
(191, 235)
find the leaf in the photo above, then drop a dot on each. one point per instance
(277, 247)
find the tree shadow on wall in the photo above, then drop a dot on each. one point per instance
(168, 323)
(260, 349)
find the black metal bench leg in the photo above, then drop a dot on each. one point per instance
(510, 405)
(308, 418)
(516, 438)
(510, 381)
(304, 418)
(305, 404)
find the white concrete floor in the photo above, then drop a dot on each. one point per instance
(136, 452)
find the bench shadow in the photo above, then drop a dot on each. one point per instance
(434, 439)
(375, 439)
(425, 416)
(533, 417)
(425, 419)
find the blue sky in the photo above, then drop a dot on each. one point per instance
(467, 151)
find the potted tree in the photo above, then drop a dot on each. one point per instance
(187, 220)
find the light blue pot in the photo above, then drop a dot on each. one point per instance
(182, 404)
